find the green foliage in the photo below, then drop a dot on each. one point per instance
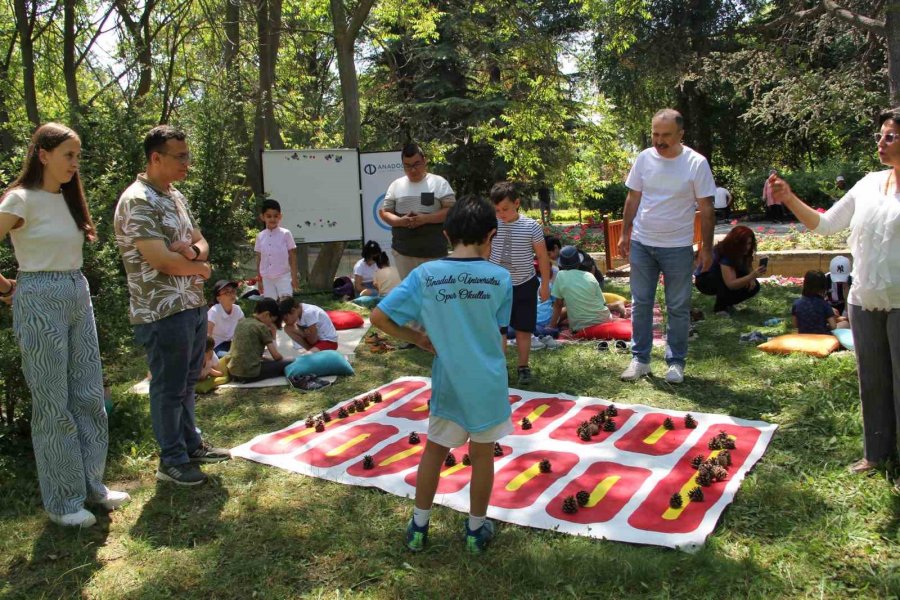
(587, 236)
(609, 199)
(801, 239)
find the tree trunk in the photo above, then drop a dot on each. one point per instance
(142, 39)
(236, 121)
(69, 67)
(25, 25)
(7, 141)
(892, 38)
(345, 34)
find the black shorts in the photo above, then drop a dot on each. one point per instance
(524, 306)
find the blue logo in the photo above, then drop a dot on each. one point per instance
(376, 217)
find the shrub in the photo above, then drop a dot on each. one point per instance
(609, 199)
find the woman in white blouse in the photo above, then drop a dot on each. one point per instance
(871, 209)
(45, 213)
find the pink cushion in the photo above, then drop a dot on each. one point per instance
(617, 329)
(345, 319)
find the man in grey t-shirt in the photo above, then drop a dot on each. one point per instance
(415, 206)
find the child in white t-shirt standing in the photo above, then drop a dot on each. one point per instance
(223, 316)
(276, 255)
(519, 239)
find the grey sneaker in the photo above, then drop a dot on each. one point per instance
(207, 454)
(524, 375)
(184, 474)
(675, 373)
(635, 370)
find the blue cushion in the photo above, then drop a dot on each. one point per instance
(845, 337)
(367, 301)
(325, 362)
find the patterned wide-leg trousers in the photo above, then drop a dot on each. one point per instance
(54, 323)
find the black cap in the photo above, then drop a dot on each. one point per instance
(569, 258)
(222, 284)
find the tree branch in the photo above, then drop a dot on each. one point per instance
(857, 20)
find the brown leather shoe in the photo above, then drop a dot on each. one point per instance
(861, 466)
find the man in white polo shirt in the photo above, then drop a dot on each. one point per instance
(666, 183)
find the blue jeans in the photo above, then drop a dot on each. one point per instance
(676, 265)
(175, 347)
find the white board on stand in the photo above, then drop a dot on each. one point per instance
(318, 191)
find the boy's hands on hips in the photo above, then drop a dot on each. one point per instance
(423, 342)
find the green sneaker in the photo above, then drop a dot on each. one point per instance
(477, 541)
(416, 537)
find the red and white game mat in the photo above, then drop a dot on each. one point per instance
(617, 482)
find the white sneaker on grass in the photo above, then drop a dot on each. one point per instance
(113, 500)
(635, 370)
(82, 518)
(675, 373)
(537, 344)
(549, 343)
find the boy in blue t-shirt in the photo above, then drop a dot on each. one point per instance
(464, 303)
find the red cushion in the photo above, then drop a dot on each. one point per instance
(345, 319)
(617, 329)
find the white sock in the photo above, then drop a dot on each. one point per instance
(476, 522)
(421, 516)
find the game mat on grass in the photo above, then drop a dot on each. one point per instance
(628, 475)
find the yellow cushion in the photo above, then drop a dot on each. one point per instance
(817, 344)
(613, 298)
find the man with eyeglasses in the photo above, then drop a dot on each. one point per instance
(415, 207)
(165, 257)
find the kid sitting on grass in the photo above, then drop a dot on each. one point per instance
(579, 291)
(251, 336)
(518, 240)
(215, 370)
(811, 313)
(308, 325)
(464, 303)
(224, 315)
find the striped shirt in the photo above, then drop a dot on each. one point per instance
(422, 197)
(513, 247)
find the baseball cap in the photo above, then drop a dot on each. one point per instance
(222, 284)
(839, 178)
(840, 269)
(569, 258)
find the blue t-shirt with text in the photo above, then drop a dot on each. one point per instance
(462, 303)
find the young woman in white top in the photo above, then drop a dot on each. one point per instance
(364, 270)
(47, 217)
(871, 209)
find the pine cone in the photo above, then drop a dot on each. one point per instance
(704, 478)
(466, 460)
(594, 429)
(612, 411)
(545, 466)
(310, 422)
(668, 424)
(359, 404)
(728, 444)
(697, 461)
(720, 473)
(570, 506)
(368, 462)
(450, 460)
(696, 494)
(342, 413)
(598, 418)
(610, 425)
(690, 422)
(583, 497)
(320, 426)
(724, 458)
(676, 501)
(498, 449)
(714, 444)
(584, 435)
(376, 397)
(351, 408)
(414, 438)
(526, 424)
(325, 416)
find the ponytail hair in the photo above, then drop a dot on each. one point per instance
(371, 250)
(382, 260)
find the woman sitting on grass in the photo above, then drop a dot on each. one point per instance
(731, 278)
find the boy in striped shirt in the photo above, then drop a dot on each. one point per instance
(518, 240)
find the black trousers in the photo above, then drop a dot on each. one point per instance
(711, 283)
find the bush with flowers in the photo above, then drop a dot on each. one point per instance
(798, 238)
(587, 236)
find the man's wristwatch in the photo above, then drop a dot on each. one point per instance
(197, 250)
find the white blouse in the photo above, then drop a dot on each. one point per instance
(48, 240)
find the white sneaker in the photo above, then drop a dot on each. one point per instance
(549, 343)
(675, 374)
(113, 500)
(82, 518)
(537, 344)
(635, 370)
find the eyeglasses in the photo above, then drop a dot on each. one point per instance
(889, 137)
(184, 158)
(414, 166)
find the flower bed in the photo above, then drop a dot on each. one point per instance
(587, 236)
(798, 238)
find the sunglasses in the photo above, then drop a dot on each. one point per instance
(889, 137)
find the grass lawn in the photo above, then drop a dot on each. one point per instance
(800, 526)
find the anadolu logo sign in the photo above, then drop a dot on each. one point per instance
(372, 168)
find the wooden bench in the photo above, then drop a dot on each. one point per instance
(616, 264)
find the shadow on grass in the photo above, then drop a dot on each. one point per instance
(182, 517)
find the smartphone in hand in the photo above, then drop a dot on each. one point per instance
(764, 262)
